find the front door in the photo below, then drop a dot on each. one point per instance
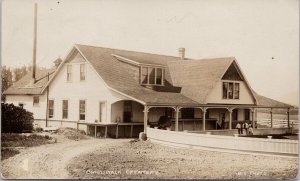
(127, 115)
(101, 111)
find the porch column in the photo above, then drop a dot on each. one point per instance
(176, 118)
(288, 117)
(271, 112)
(145, 118)
(203, 118)
(253, 120)
(230, 118)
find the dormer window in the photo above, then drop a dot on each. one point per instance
(152, 76)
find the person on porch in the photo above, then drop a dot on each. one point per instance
(246, 127)
(238, 126)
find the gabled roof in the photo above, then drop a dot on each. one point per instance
(23, 86)
(124, 77)
(198, 77)
(187, 82)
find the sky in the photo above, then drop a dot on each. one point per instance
(263, 35)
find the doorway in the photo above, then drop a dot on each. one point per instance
(127, 114)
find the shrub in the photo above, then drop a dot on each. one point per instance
(15, 119)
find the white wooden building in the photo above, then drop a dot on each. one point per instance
(119, 92)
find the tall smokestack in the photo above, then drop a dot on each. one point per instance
(181, 53)
(34, 42)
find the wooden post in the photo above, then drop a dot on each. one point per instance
(253, 120)
(194, 125)
(145, 118)
(176, 118)
(288, 117)
(203, 119)
(182, 123)
(117, 131)
(131, 130)
(105, 133)
(230, 118)
(271, 112)
(95, 131)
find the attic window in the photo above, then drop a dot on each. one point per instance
(151, 76)
(82, 72)
(69, 73)
(231, 90)
(36, 100)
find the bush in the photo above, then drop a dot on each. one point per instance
(15, 119)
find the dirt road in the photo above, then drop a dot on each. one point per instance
(50, 160)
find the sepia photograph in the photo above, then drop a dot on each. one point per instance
(140, 89)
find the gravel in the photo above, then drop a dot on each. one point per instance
(145, 160)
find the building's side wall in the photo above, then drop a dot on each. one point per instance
(93, 90)
(38, 110)
(216, 95)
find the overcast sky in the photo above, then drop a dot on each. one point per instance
(253, 31)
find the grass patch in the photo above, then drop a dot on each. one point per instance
(8, 152)
(11, 141)
(19, 140)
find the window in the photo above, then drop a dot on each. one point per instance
(151, 75)
(65, 109)
(82, 72)
(225, 90)
(151, 72)
(236, 91)
(82, 110)
(144, 75)
(69, 73)
(51, 109)
(231, 90)
(36, 100)
(187, 113)
(159, 76)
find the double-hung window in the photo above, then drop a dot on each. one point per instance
(65, 107)
(36, 100)
(51, 109)
(231, 90)
(152, 76)
(69, 73)
(82, 72)
(82, 108)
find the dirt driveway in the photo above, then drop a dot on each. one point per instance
(50, 160)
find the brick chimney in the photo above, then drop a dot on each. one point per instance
(181, 53)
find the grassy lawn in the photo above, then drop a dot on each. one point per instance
(10, 142)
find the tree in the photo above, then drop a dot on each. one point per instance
(6, 80)
(15, 119)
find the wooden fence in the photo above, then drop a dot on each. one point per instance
(223, 143)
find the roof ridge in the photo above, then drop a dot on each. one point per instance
(127, 50)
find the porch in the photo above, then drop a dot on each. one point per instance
(128, 118)
(114, 130)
